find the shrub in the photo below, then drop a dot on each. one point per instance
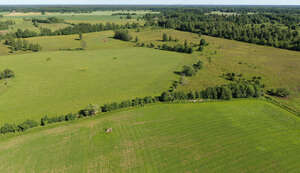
(7, 73)
(279, 92)
(70, 117)
(27, 125)
(122, 35)
(188, 71)
(8, 128)
(89, 110)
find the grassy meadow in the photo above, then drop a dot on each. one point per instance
(234, 136)
(94, 17)
(241, 135)
(277, 67)
(62, 82)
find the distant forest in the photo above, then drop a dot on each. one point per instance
(273, 26)
(276, 26)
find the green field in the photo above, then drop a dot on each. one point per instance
(94, 41)
(60, 82)
(94, 17)
(241, 135)
(277, 67)
(236, 136)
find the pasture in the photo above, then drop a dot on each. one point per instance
(234, 136)
(277, 67)
(59, 82)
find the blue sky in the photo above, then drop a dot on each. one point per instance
(246, 2)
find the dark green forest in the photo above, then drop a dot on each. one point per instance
(277, 27)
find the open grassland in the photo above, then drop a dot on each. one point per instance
(277, 67)
(94, 17)
(20, 24)
(94, 41)
(65, 81)
(236, 136)
(97, 13)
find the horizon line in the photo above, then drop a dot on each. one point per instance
(169, 4)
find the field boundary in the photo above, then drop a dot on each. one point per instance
(281, 105)
(105, 114)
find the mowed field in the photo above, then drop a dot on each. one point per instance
(59, 82)
(232, 136)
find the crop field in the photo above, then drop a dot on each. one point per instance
(235, 136)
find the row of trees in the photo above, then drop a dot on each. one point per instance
(74, 29)
(11, 128)
(48, 20)
(239, 89)
(7, 73)
(224, 92)
(177, 48)
(21, 44)
(167, 37)
(4, 25)
(279, 92)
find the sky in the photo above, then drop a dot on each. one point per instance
(227, 2)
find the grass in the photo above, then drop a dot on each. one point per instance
(235, 136)
(64, 81)
(94, 17)
(277, 67)
(94, 41)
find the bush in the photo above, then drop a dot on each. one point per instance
(8, 128)
(122, 35)
(27, 125)
(188, 71)
(7, 73)
(279, 92)
(70, 117)
(90, 110)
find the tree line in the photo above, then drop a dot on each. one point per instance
(182, 48)
(224, 92)
(4, 25)
(47, 20)
(74, 29)
(22, 44)
(238, 88)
